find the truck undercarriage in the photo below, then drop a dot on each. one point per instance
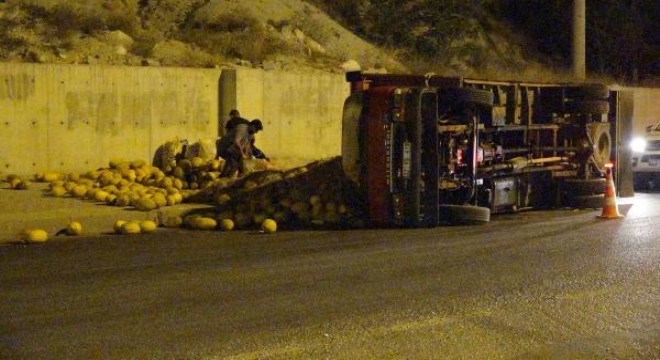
(428, 150)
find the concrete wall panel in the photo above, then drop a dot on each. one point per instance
(62, 117)
(301, 113)
(646, 108)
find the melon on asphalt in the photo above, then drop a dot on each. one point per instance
(74, 228)
(100, 195)
(117, 226)
(227, 224)
(173, 221)
(148, 226)
(35, 235)
(58, 191)
(269, 226)
(131, 228)
(203, 223)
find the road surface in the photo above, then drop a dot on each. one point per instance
(536, 285)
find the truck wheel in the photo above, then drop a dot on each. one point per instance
(583, 187)
(587, 92)
(464, 214)
(587, 107)
(602, 145)
(586, 202)
(468, 96)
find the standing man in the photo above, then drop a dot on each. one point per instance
(236, 145)
(234, 119)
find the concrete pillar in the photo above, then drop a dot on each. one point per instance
(579, 35)
(625, 111)
(227, 94)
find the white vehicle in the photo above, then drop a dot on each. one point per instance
(646, 159)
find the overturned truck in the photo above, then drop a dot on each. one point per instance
(428, 150)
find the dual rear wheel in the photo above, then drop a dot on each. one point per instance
(583, 193)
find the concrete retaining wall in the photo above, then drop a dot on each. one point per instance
(646, 109)
(64, 117)
(75, 118)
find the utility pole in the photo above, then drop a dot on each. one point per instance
(579, 38)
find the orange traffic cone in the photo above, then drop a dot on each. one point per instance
(610, 209)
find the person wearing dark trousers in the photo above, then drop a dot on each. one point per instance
(235, 119)
(236, 145)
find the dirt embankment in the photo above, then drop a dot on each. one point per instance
(217, 33)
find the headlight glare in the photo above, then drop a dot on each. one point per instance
(638, 145)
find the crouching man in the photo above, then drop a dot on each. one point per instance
(236, 145)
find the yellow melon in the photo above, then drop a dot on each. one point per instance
(101, 195)
(131, 228)
(197, 162)
(52, 176)
(23, 184)
(203, 223)
(35, 235)
(269, 226)
(159, 199)
(74, 228)
(148, 226)
(117, 226)
(111, 199)
(79, 191)
(173, 221)
(58, 191)
(74, 176)
(227, 224)
(222, 199)
(136, 164)
(145, 204)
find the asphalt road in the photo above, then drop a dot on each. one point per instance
(537, 285)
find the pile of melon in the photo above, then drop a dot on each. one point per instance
(17, 182)
(123, 183)
(317, 194)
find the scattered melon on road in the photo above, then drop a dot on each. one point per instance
(74, 228)
(34, 236)
(269, 226)
(148, 226)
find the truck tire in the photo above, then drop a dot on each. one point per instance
(587, 92)
(602, 144)
(463, 214)
(468, 96)
(586, 202)
(583, 187)
(587, 107)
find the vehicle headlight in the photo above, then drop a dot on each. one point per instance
(638, 145)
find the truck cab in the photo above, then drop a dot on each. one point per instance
(428, 150)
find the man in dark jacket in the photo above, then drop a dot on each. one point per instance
(234, 119)
(257, 153)
(236, 145)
